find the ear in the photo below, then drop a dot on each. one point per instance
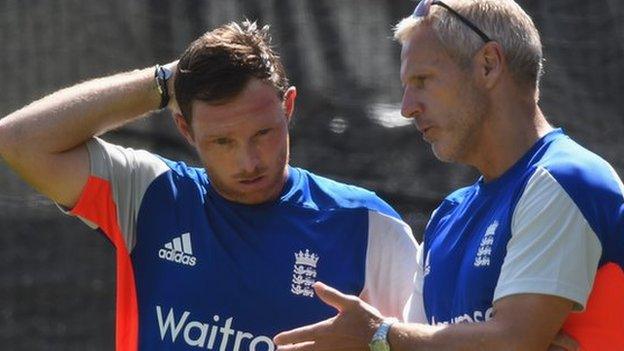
(289, 102)
(184, 128)
(491, 62)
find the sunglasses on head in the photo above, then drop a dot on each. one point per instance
(423, 7)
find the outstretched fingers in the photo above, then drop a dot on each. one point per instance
(307, 333)
(346, 331)
(333, 297)
(302, 346)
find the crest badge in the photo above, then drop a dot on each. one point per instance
(484, 251)
(304, 273)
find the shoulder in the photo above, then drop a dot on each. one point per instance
(589, 180)
(325, 193)
(574, 166)
(122, 165)
(571, 181)
(111, 161)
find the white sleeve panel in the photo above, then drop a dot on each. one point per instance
(390, 264)
(129, 172)
(552, 249)
(415, 309)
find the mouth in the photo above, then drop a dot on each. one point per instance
(427, 133)
(252, 181)
(422, 127)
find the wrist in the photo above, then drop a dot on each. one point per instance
(162, 77)
(172, 66)
(380, 340)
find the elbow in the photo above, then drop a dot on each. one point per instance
(8, 140)
(4, 135)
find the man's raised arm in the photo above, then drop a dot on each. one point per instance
(45, 141)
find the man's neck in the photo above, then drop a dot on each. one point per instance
(506, 136)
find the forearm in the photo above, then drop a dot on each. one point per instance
(44, 141)
(505, 333)
(458, 337)
(67, 118)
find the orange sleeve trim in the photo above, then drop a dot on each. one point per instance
(96, 205)
(601, 326)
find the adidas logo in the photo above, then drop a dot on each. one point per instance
(179, 250)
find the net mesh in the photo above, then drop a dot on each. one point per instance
(57, 284)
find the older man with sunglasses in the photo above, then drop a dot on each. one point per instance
(509, 261)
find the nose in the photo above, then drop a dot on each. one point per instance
(410, 106)
(249, 158)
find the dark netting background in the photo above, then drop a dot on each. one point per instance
(57, 277)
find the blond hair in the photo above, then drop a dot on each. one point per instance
(504, 21)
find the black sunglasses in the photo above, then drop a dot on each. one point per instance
(423, 7)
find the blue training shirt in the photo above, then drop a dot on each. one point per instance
(195, 270)
(546, 226)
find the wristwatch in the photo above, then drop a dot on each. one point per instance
(162, 75)
(380, 338)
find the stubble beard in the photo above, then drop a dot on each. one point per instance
(467, 126)
(270, 192)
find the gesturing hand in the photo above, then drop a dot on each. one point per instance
(351, 329)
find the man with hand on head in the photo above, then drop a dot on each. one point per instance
(224, 256)
(512, 259)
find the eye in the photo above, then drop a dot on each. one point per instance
(264, 131)
(222, 141)
(419, 81)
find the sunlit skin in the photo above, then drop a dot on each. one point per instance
(244, 143)
(445, 103)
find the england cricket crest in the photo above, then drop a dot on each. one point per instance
(304, 273)
(484, 252)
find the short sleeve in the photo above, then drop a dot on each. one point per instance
(118, 179)
(552, 250)
(415, 309)
(390, 265)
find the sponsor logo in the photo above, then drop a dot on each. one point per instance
(304, 273)
(179, 250)
(474, 317)
(218, 334)
(484, 252)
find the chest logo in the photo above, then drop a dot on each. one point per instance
(304, 273)
(179, 250)
(484, 252)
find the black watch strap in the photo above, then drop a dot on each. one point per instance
(162, 75)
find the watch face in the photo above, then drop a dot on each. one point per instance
(379, 345)
(166, 72)
(163, 73)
